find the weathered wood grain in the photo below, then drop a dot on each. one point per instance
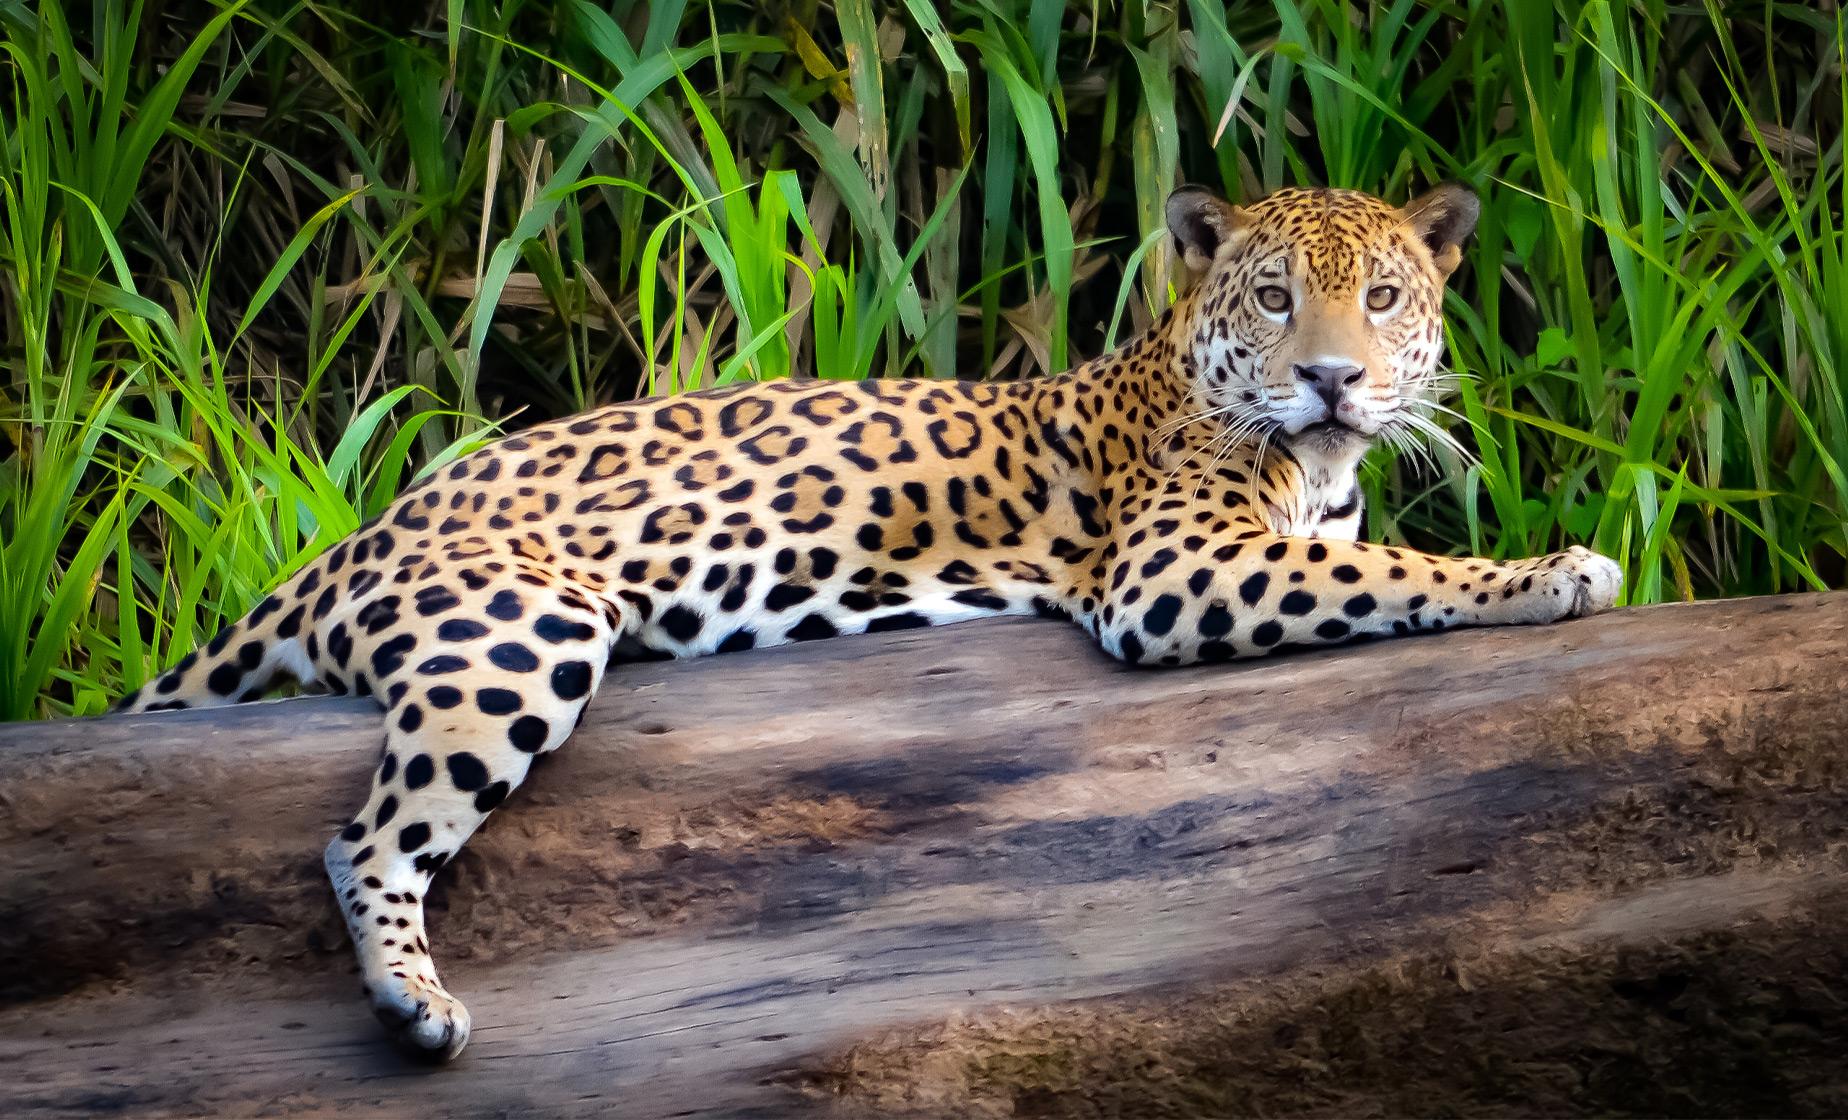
(744, 863)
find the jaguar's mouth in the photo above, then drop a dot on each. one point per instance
(1326, 427)
(1330, 437)
(1331, 429)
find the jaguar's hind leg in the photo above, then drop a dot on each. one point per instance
(478, 706)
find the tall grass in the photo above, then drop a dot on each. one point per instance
(263, 260)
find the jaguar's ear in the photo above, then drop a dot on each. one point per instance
(1202, 224)
(1443, 218)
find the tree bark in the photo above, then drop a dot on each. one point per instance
(757, 882)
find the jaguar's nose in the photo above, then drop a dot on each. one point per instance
(1330, 381)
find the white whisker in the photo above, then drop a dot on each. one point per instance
(1446, 410)
(1435, 434)
(1232, 433)
(1183, 421)
(1255, 493)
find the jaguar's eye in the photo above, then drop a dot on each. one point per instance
(1274, 299)
(1381, 297)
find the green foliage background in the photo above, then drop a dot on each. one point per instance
(262, 261)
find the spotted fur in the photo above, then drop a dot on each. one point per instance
(1190, 497)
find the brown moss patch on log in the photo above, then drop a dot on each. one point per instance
(1750, 1020)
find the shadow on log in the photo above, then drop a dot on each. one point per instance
(1585, 868)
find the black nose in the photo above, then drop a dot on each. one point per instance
(1330, 381)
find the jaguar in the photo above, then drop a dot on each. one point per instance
(1190, 497)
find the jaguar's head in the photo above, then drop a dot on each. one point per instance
(1318, 318)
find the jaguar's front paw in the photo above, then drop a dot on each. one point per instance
(1579, 582)
(422, 1017)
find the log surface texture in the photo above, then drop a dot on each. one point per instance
(748, 880)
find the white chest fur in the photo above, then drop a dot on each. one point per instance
(1326, 503)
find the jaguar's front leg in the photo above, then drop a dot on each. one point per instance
(1172, 604)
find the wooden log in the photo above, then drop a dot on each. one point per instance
(745, 872)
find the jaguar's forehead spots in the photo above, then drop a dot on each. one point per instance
(1332, 239)
(1301, 210)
